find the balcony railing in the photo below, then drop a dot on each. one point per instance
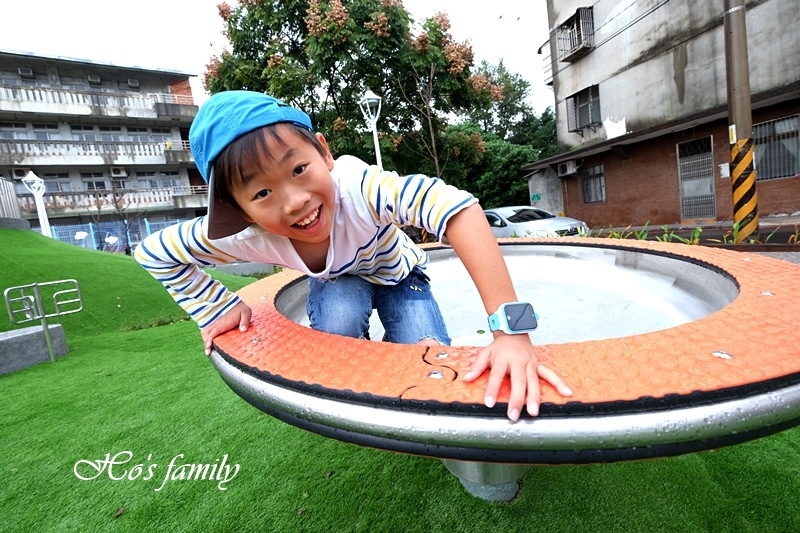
(16, 151)
(172, 99)
(118, 201)
(17, 93)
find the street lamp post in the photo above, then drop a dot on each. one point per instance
(35, 185)
(371, 108)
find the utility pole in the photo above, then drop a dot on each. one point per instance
(740, 122)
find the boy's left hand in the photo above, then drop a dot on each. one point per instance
(514, 355)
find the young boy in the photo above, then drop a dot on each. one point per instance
(276, 195)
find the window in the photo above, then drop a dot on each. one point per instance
(14, 130)
(138, 135)
(777, 148)
(575, 37)
(72, 83)
(160, 134)
(57, 182)
(36, 80)
(122, 184)
(170, 178)
(494, 220)
(94, 181)
(529, 215)
(161, 180)
(110, 133)
(8, 78)
(593, 184)
(83, 133)
(583, 110)
(46, 132)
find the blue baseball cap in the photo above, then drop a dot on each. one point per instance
(222, 119)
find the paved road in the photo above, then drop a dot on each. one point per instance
(792, 257)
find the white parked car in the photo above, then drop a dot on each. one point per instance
(527, 221)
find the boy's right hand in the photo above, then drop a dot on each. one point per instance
(238, 316)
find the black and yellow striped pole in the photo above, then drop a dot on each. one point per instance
(740, 120)
(745, 199)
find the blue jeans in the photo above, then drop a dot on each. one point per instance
(408, 311)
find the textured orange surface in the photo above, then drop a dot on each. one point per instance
(759, 330)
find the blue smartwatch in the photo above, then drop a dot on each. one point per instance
(514, 318)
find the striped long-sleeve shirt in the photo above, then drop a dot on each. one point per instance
(366, 241)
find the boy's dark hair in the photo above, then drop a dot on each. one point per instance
(234, 165)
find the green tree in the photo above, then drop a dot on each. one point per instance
(464, 149)
(322, 56)
(501, 104)
(486, 165)
(501, 180)
(539, 132)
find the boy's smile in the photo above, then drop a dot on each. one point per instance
(290, 191)
(308, 221)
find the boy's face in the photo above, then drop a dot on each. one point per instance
(292, 193)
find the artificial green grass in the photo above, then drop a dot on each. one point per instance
(118, 294)
(152, 392)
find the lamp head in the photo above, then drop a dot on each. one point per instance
(33, 183)
(370, 106)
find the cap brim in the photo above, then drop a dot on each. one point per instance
(223, 219)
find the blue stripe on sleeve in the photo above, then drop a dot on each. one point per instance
(166, 248)
(427, 222)
(175, 276)
(146, 250)
(450, 213)
(196, 240)
(403, 190)
(221, 312)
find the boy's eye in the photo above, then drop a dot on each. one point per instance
(263, 193)
(299, 169)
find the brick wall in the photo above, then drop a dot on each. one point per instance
(180, 87)
(644, 188)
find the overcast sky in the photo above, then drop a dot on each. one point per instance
(182, 34)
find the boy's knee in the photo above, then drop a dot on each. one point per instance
(356, 329)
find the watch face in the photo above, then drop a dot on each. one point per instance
(520, 317)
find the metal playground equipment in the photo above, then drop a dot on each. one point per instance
(668, 348)
(25, 303)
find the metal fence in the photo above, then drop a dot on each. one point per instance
(91, 98)
(107, 236)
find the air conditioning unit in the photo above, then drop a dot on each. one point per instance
(119, 172)
(94, 79)
(567, 168)
(133, 84)
(20, 172)
(25, 72)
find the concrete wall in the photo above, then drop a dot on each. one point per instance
(15, 223)
(547, 185)
(656, 62)
(21, 348)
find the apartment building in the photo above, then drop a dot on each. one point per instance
(110, 143)
(642, 113)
